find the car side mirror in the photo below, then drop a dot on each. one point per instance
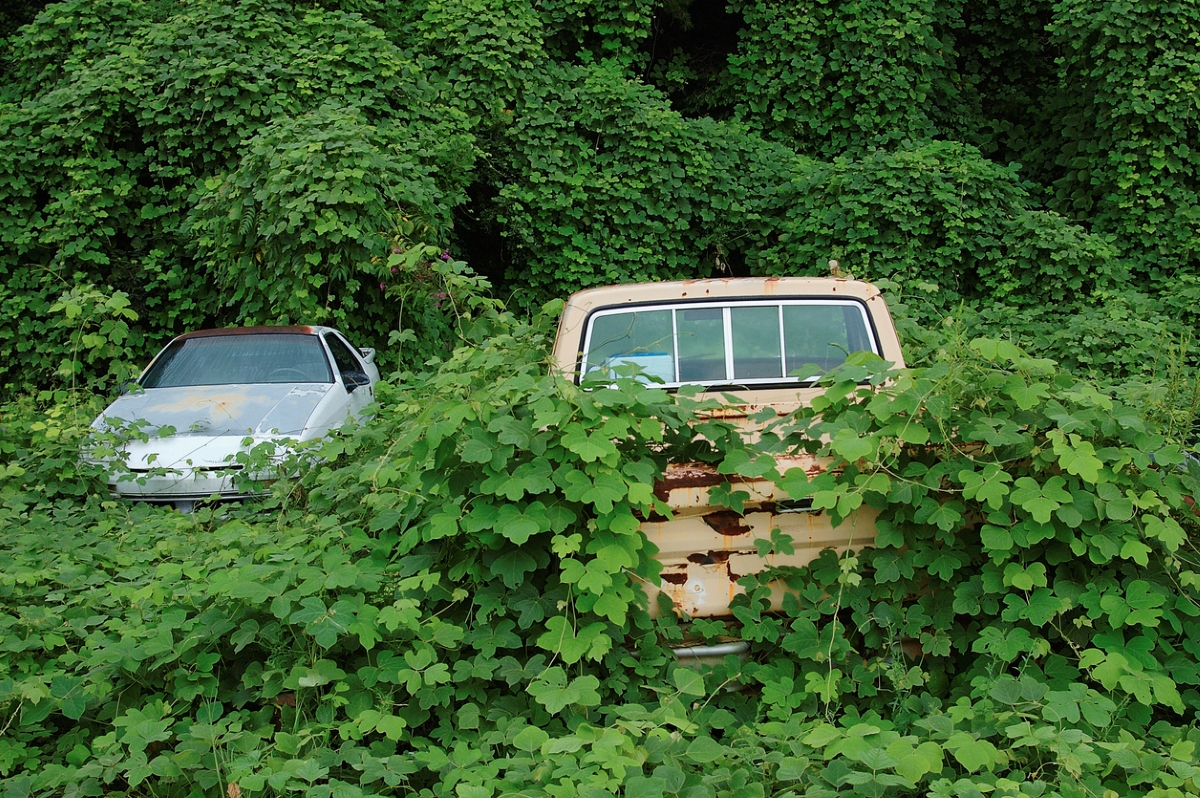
(355, 380)
(368, 354)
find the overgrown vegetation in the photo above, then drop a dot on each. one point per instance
(451, 604)
(248, 162)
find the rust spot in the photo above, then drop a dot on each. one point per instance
(726, 522)
(673, 578)
(1192, 503)
(711, 558)
(731, 412)
(732, 576)
(691, 475)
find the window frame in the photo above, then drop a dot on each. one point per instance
(726, 304)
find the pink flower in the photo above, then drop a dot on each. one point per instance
(383, 286)
(445, 254)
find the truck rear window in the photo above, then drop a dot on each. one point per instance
(726, 343)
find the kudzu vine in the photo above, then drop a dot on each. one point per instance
(452, 601)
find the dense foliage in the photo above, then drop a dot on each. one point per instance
(245, 162)
(451, 604)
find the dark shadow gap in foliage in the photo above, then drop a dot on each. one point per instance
(480, 236)
(687, 52)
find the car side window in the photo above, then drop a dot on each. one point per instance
(348, 365)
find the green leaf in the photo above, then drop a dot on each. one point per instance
(974, 755)
(552, 690)
(1118, 509)
(520, 525)
(476, 451)
(645, 787)
(688, 681)
(1026, 396)
(995, 538)
(988, 486)
(914, 762)
(705, 750)
(320, 674)
(1166, 530)
(69, 692)
(1043, 607)
(851, 447)
(590, 447)
(822, 735)
(607, 489)
(254, 592)
(1078, 457)
(530, 738)
(442, 525)
(560, 638)
(512, 565)
(792, 768)
(1144, 603)
(391, 726)
(612, 606)
(914, 433)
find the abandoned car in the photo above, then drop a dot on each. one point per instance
(210, 395)
(746, 338)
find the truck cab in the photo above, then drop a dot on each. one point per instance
(752, 342)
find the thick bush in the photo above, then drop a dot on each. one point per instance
(936, 212)
(451, 603)
(228, 163)
(139, 156)
(1126, 155)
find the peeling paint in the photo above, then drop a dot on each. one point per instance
(710, 558)
(727, 523)
(221, 409)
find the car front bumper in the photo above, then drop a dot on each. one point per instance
(186, 485)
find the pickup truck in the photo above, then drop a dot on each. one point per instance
(740, 337)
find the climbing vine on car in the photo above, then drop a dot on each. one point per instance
(452, 601)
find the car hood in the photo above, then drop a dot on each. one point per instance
(211, 411)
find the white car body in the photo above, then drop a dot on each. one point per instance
(187, 436)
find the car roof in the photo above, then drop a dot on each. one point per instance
(290, 330)
(722, 288)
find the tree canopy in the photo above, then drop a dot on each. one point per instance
(448, 600)
(260, 161)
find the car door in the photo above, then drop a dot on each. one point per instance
(352, 374)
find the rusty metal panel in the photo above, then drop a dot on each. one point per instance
(703, 556)
(705, 549)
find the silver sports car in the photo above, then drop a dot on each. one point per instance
(213, 394)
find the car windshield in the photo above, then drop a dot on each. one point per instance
(240, 359)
